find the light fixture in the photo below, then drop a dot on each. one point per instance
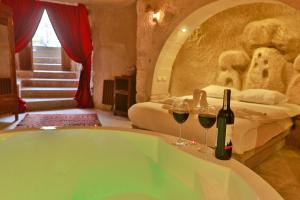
(184, 30)
(156, 16)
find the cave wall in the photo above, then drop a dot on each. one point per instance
(151, 37)
(123, 36)
(196, 64)
(114, 41)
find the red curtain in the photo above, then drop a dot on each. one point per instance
(72, 28)
(26, 16)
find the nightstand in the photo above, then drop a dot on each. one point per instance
(124, 94)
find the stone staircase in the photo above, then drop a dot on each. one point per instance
(48, 87)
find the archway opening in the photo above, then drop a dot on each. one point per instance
(164, 65)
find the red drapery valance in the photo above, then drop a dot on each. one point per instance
(72, 28)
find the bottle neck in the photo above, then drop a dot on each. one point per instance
(226, 100)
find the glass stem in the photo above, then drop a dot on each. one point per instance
(180, 132)
(205, 147)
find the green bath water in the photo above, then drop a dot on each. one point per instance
(84, 165)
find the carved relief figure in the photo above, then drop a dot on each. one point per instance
(231, 64)
(294, 86)
(273, 33)
(266, 69)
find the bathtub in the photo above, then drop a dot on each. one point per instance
(90, 164)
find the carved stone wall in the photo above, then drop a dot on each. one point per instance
(151, 37)
(196, 64)
(294, 84)
(266, 70)
(116, 28)
(114, 41)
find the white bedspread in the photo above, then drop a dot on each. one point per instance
(255, 124)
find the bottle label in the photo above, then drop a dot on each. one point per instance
(228, 139)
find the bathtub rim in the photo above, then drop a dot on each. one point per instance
(262, 189)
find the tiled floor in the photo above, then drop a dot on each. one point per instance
(281, 170)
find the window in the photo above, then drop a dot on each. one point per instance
(45, 35)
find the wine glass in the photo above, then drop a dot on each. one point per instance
(207, 118)
(180, 111)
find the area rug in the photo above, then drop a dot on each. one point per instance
(59, 120)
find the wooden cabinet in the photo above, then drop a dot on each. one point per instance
(124, 94)
(8, 86)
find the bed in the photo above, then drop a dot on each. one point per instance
(255, 124)
(265, 93)
(263, 119)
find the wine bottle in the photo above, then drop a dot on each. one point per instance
(225, 121)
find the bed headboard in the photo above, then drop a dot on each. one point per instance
(267, 69)
(265, 62)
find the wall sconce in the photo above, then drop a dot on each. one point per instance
(184, 30)
(154, 14)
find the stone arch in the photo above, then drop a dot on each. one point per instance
(167, 56)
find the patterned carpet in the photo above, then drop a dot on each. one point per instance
(59, 120)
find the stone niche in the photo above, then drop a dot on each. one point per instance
(248, 38)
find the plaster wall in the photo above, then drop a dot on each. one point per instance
(196, 64)
(114, 40)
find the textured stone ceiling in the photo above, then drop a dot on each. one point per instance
(98, 2)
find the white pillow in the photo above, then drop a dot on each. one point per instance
(262, 96)
(217, 91)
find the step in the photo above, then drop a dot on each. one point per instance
(45, 54)
(47, 66)
(43, 82)
(24, 74)
(35, 104)
(54, 74)
(46, 51)
(51, 54)
(37, 92)
(46, 59)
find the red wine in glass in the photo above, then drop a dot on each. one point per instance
(207, 120)
(180, 112)
(180, 116)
